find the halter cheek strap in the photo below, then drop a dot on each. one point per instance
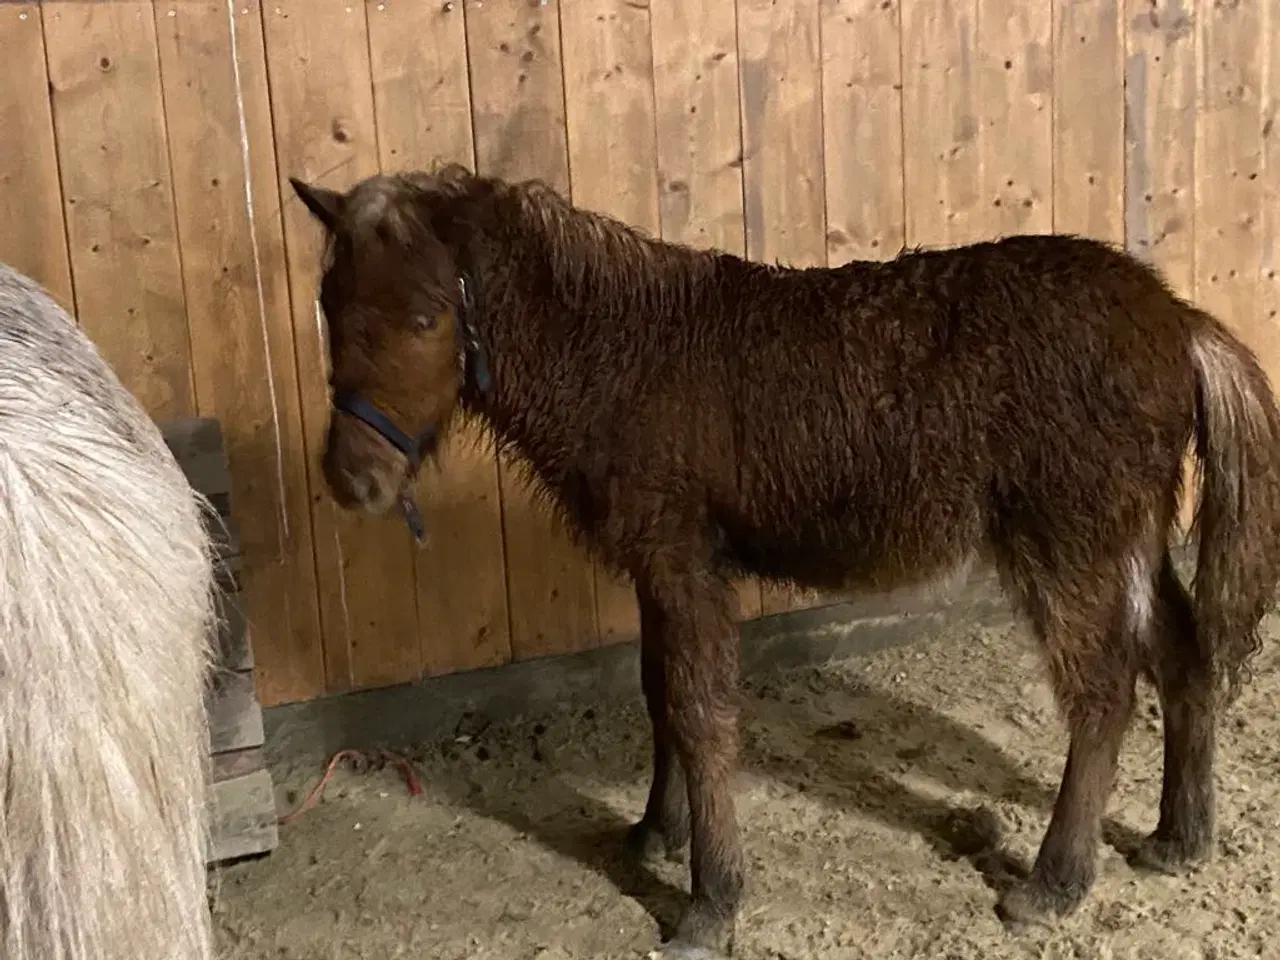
(348, 401)
(475, 377)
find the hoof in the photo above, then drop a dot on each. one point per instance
(685, 951)
(705, 932)
(644, 844)
(1032, 904)
(1169, 857)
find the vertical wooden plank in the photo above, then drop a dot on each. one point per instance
(940, 120)
(782, 130)
(608, 77)
(1088, 119)
(322, 107)
(1228, 165)
(34, 240)
(109, 116)
(1160, 131)
(1269, 269)
(1160, 123)
(418, 53)
(1015, 137)
(784, 195)
(699, 131)
(517, 94)
(609, 117)
(213, 63)
(699, 140)
(862, 120)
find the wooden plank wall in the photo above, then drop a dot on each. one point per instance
(143, 179)
(243, 802)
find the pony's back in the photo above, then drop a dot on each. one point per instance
(106, 604)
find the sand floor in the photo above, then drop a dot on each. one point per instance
(867, 788)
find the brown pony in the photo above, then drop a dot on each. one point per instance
(696, 417)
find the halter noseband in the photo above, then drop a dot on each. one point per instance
(474, 368)
(413, 447)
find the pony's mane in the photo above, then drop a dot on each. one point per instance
(599, 259)
(592, 257)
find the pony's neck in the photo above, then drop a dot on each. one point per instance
(565, 300)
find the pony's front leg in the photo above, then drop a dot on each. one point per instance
(664, 828)
(699, 645)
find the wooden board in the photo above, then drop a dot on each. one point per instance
(1228, 165)
(224, 182)
(609, 116)
(698, 123)
(1015, 137)
(1088, 119)
(517, 98)
(235, 715)
(104, 75)
(236, 763)
(322, 105)
(34, 240)
(1236, 116)
(243, 817)
(1160, 133)
(862, 124)
(234, 649)
(418, 53)
(784, 194)
(235, 711)
(941, 117)
(1269, 269)
(197, 445)
(698, 141)
(418, 58)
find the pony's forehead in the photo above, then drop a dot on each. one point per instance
(383, 205)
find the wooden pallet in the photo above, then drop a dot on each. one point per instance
(244, 809)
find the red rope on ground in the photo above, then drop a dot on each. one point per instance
(406, 769)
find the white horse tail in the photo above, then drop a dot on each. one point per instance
(106, 610)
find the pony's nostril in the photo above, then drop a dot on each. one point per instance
(361, 487)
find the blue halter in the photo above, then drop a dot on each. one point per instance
(475, 376)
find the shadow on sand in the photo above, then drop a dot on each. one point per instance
(849, 763)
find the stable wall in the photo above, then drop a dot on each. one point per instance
(143, 179)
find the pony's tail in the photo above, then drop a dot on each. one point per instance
(107, 601)
(1238, 517)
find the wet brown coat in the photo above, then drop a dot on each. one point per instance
(694, 417)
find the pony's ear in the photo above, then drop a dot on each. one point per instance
(325, 204)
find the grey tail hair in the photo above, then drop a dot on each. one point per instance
(1237, 522)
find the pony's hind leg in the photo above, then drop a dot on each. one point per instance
(1184, 678)
(664, 828)
(1091, 647)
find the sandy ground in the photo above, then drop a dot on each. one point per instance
(867, 789)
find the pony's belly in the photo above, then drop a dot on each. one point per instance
(852, 567)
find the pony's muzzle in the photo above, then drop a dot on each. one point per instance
(363, 471)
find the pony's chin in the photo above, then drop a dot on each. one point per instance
(365, 494)
(380, 507)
